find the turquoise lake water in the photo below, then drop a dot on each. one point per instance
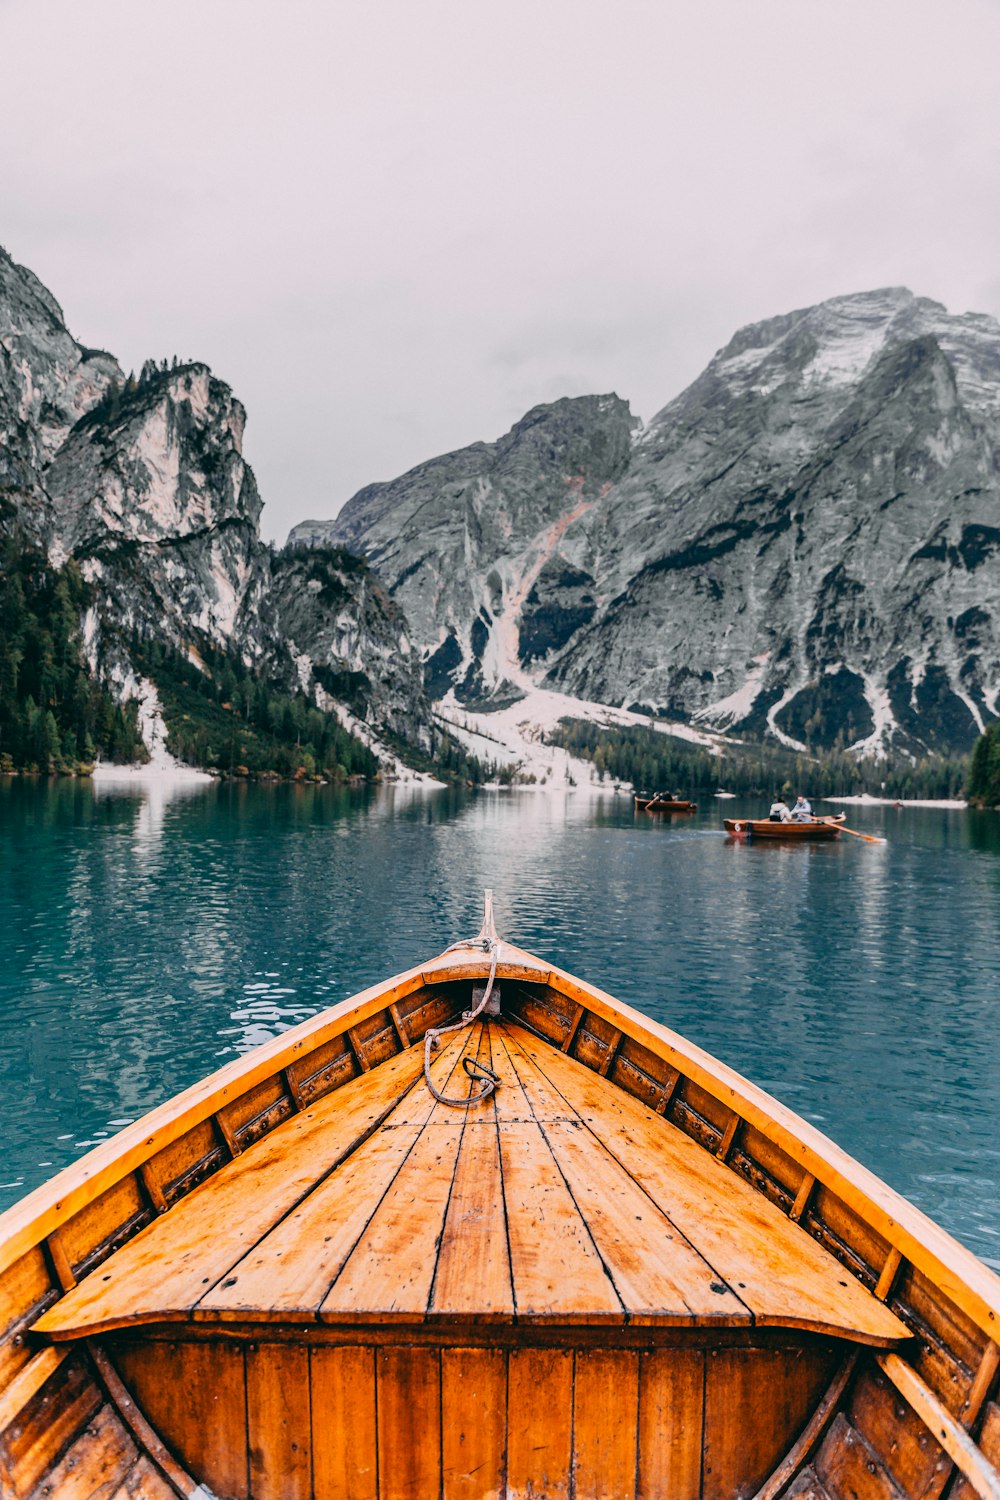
(147, 937)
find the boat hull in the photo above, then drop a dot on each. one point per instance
(415, 1395)
(764, 828)
(653, 805)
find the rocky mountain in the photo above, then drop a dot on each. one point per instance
(143, 483)
(469, 544)
(804, 544)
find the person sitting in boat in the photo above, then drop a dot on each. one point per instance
(780, 812)
(802, 811)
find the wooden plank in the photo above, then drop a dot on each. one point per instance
(728, 1137)
(667, 1092)
(473, 1423)
(169, 1266)
(289, 1272)
(228, 1134)
(611, 1054)
(400, 1025)
(658, 1274)
(778, 1271)
(49, 1422)
(409, 1422)
(34, 1218)
(988, 1366)
(60, 1261)
(358, 1048)
(390, 1270)
(671, 1406)
(846, 1466)
(802, 1449)
(473, 1277)
(28, 1382)
(802, 1197)
(154, 1189)
(95, 1465)
(100, 1226)
(510, 1100)
(981, 1474)
(556, 1270)
(144, 1482)
(292, 1085)
(539, 1431)
(344, 1431)
(970, 1284)
(747, 1436)
(194, 1396)
(278, 1422)
(891, 1428)
(887, 1275)
(604, 1445)
(574, 1027)
(989, 1442)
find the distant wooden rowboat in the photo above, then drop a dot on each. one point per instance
(625, 1271)
(765, 828)
(664, 805)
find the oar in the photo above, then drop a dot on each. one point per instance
(869, 838)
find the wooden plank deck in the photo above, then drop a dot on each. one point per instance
(558, 1200)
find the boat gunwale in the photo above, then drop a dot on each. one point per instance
(954, 1270)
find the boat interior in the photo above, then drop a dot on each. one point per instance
(622, 1271)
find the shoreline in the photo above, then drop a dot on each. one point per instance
(865, 799)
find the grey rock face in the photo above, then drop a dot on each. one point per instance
(144, 483)
(151, 494)
(349, 640)
(805, 543)
(47, 382)
(461, 542)
(805, 535)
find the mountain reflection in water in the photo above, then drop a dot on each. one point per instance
(148, 934)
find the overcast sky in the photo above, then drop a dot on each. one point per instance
(394, 227)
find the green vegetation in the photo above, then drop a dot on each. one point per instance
(654, 761)
(220, 716)
(984, 769)
(449, 760)
(54, 717)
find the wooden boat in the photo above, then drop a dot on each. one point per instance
(658, 804)
(622, 1271)
(765, 828)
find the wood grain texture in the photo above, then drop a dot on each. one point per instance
(409, 1422)
(344, 1431)
(774, 1267)
(671, 1402)
(846, 1466)
(52, 1419)
(170, 1266)
(605, 1422)
(539, 1424)
(278, 1422)
(473, 1423)
(97, 1464)
(194, 1395)
(756, 1403)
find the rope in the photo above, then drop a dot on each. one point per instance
(475, 1070)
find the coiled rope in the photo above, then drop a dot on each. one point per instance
(477, 1071)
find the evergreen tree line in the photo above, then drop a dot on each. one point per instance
(984, 769)
(54, 716)
(652, 761)
(222, 717)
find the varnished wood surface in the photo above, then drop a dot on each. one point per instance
(54, 1423)
(409, 1418)
(557, 1199)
